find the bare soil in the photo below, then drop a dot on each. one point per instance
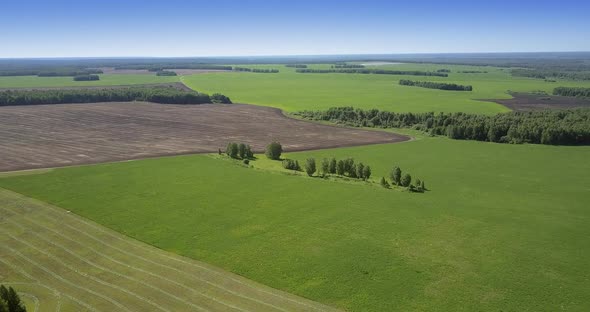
(41, 136)
(529, 102)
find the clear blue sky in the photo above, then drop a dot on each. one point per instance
(282, 27)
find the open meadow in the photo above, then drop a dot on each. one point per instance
(502, 226)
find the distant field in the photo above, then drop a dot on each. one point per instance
(291, 91)
(105, 80)
(504, 227)
(61, 262)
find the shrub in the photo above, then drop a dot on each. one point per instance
(274, 151)
(218, 98)
(325, 166)
(406, 180)
(384, 183)
(246, 161)
(396, 175)
(232, 150)
(366, 173)
(242, 150)
(332, 168)
(291, 164)
(86, 77)
(10, 301)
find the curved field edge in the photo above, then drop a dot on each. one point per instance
(466, 244)
(56, 258)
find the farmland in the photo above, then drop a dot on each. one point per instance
(105, 80)
(61, 262)
(292, 91)
(484, 227)
(38, 136)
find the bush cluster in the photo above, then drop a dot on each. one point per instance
(569, 91)
(291, 164)
(557, 127)
(296, 65)
(166, 73)
(238, 151)
(86, 78)
(403, 180)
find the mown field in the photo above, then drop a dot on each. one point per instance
(292, 91)
(105, 80)
(503, 227)
(58, 261)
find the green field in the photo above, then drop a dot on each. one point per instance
(58, 261)
(503, 227)
(291, 91)
(105, 80)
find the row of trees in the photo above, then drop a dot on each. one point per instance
(164, 66)
(556, 127)
(257, 70)
(370, 71)
(443, 70)
(166, 73)
(296, 65)
(549, 73)
(403, 180)
(238, 151)
(348, 66)
(569, 91)
(10, 300)
(68, 73)
(343, 167)
(472, 72)
(435, 85)
(164, 95)
(86, 78)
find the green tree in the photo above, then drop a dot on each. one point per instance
(310, 166)
(360, 171)
(418, 183)
(396, 175)
(11, 299)
(232, 150)
(242, 150)
(325, 166)
(352, 171)
(406, 180)
(366, 172)
(249, 153)
(340, 167)
(332, 169)
(274, 150)
(422, 185)
(3, 305)
(384, 183)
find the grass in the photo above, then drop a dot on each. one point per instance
(60, 262)
(290, 91)
(105, 80)
(504, 227)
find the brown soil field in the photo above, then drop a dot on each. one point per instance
(40, 136)
(528, 102)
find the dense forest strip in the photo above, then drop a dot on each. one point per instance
(564, 127)
(175, 85)
(86, 78)
(570, 91)
(161, 95)
(54, 72)
(162, 66)
(296, 65)
(540, 73)
(435, 85)
(256, 70)
(370, 71)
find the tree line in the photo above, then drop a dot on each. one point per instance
(472, 72)
(10, 300)
(166, 73)
(256, 70)
(86, 78)
(296, 65)
(443, 70)
(162, 95)
(569, 91)
(435, 85)
(56, 72)
(555, 127)
(370, 71)
(162, 66)
(239, 151)
(548, 73)
(347, 66)
(403, 180)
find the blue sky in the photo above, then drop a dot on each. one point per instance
(88, 28)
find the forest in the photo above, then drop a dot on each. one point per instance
(296, 65)
(54, 72)
(162, 66)
(558, 127)
(371, 71)
(435, 85)
(162, 95)
(568, 91)
(540, 73)
(165, 73)
(348, 66)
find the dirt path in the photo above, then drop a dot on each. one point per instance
(41, 136)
